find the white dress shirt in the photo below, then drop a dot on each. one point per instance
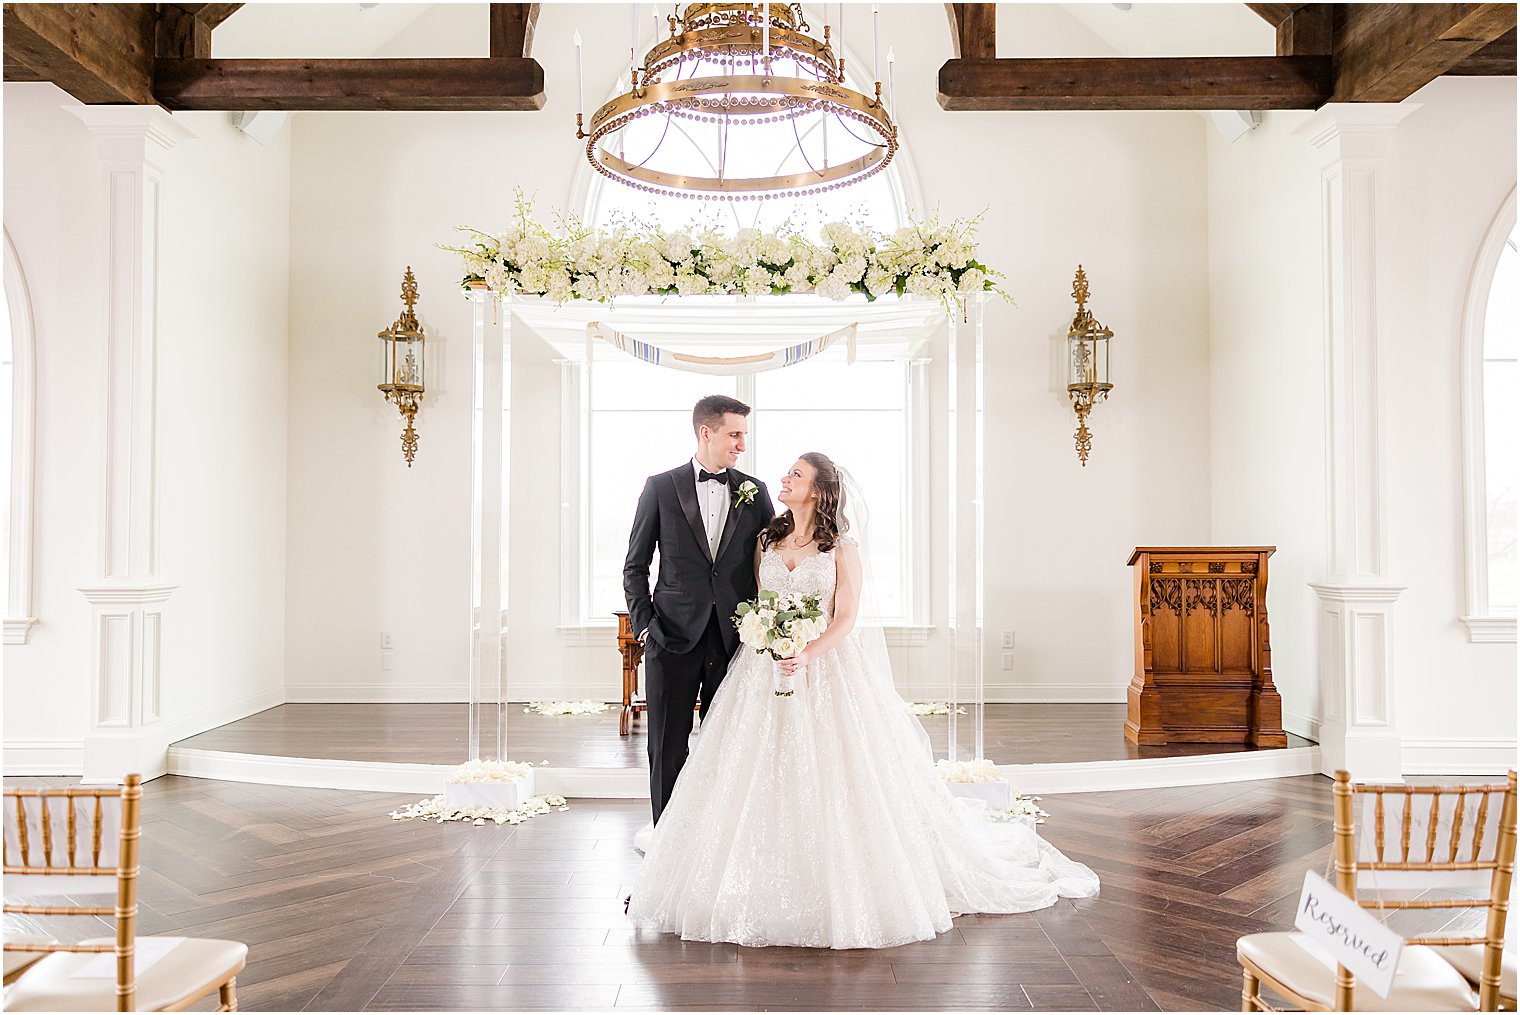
(712, 502)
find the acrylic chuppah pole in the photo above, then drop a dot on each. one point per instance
(490, 447)
(964, 507)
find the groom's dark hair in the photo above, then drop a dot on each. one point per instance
(709, 412)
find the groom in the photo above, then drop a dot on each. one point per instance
(705, 517)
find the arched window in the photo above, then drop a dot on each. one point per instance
(1491, 405)
(18, 384)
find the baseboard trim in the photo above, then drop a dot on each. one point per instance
(1457, 756)
(44, 757)
(188, 726)
(1306, 726)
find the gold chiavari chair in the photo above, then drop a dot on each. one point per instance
(56, 835)
(1478, 845)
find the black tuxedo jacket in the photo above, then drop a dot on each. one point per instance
(692, 584)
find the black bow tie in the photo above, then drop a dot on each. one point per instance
(703, 476)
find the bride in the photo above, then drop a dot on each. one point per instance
(819, 820)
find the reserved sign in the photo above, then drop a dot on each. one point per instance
(1348, 934)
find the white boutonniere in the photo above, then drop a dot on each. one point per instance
(746, 492)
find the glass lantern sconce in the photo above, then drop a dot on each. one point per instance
(403, 368)
(1087, 364)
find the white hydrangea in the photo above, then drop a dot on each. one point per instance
(973, 280)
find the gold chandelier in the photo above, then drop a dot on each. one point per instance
(739, 103)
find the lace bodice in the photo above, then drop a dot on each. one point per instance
(815, 575)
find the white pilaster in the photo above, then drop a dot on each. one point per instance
(127, 630)
(1355, 622)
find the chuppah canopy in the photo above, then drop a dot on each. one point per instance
(743, 327)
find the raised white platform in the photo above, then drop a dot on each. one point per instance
(633, 783)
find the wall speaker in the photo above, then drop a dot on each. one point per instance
(261, 124)
(1235, 124)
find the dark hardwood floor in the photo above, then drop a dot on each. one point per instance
(435, 734)
(345, 909)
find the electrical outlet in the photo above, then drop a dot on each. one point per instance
(1007, 660)
(385, 640)
(385, 660)
(1007, 640)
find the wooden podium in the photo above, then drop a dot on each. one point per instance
(1203, 652)
(632, 652)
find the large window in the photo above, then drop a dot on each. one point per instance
(860, 415)
(1501, 422)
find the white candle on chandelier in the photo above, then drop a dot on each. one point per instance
(765, 37)
(633, 38)
(580, 98)
(840, 44)
(892, 79)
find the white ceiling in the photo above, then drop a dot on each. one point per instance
(338, 30)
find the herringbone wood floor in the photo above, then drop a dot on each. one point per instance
(345, 909)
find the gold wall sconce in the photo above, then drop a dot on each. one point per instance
(1087, 364)
(403, 367)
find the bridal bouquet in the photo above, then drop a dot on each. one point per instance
(782, 626)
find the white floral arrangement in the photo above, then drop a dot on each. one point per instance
(566, 707)
(435, 809)
(931, 708)
(490, 771)
(782, 626)
(980, 770)
(925, 258)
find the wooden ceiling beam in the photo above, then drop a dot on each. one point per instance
(98, 53)
(512, 27)
(1212, 82)
(210, 15)
(973, 30)
(181, 34)
(1308, 31)
(441, 84)
(1275, 14)
(1387, 52)
(1497, 59)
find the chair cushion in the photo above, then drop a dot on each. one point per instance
(17, 961)
(1469, 962)
(191, 968)
(1424, 981)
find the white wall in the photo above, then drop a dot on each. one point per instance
(1451, 165)
(221, 420)
(1267, 367)
(374, 546)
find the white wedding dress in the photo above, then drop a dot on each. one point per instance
(819, 820)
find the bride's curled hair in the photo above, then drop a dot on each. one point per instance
(829, 521)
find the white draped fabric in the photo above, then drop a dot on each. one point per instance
(727, 366)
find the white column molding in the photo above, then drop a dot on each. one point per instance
(127, 733)
(19, 617)
(1355, 625)
(126, 697)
